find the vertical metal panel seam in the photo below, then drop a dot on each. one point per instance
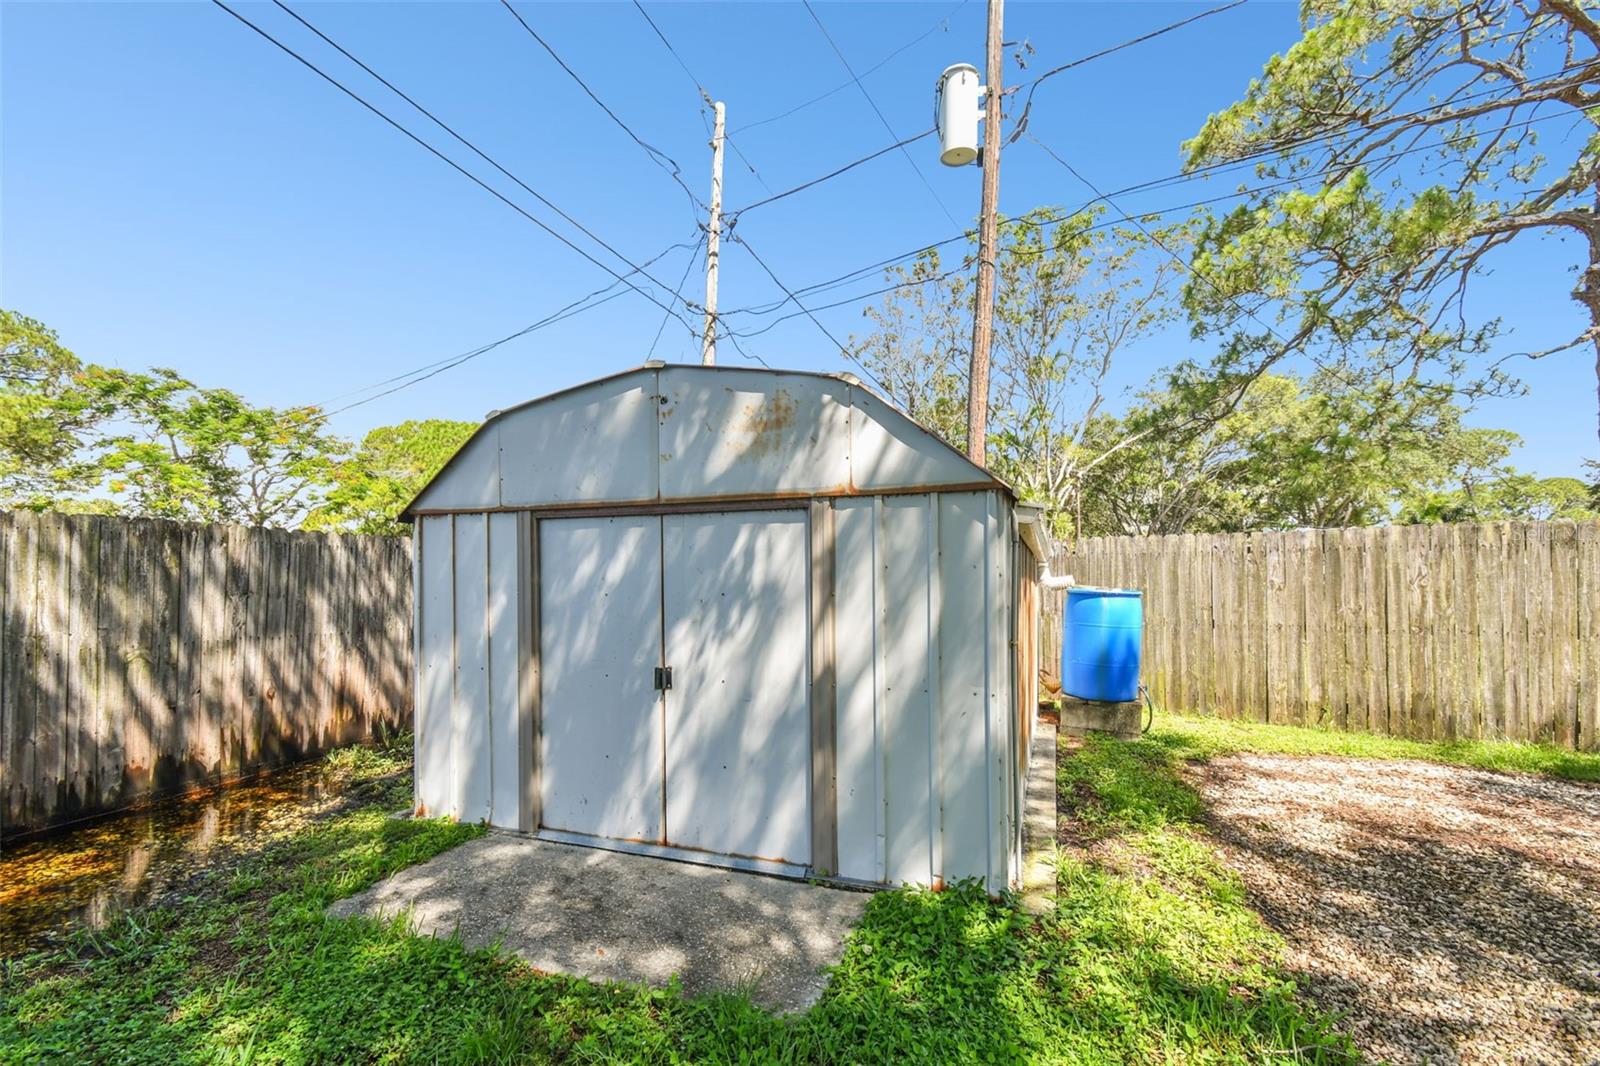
(662, 697)
(419, 712)
(488, 653)
(529, 666)
(988, 686)
(455, 672)
(936, 704)
(880, 696)
(823, 677)
(655, 423)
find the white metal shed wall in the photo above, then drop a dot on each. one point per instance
(924, 746)
(689, 433)
(924, 731)
(924, 735)
(473, 755)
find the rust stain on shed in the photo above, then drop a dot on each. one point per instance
(766, 423)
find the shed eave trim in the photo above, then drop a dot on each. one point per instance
(711, 503)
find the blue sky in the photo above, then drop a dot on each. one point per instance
(176, 191)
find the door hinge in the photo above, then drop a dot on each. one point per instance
(663, 678)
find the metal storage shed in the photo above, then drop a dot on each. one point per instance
(747, 617)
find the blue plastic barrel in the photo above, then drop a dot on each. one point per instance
(1101, 638)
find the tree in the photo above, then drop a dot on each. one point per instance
(166, 448)
(386, 472)
(919, 349)
(42, 413)
(1325, 452)
(1512, 496)
(1181, 475)
(1401, 140)
(1071, 295)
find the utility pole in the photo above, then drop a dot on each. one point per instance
(708, 346)
(983, 304)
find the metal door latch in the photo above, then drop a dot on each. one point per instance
(663, 678)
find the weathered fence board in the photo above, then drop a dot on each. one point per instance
(142, 657)
(1433, 632)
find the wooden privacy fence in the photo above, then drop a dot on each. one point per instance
(1433, 632)
(144, 657)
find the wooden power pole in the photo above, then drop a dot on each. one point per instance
(708, 346)
(983, 303)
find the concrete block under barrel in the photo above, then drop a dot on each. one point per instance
(1081, 717)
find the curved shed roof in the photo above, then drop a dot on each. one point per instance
(666, 434)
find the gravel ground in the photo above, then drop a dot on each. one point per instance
(1453, 915)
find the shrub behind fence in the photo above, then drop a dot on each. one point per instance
(144, 657)
(1434, 632)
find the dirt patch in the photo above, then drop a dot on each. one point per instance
(1452, 914)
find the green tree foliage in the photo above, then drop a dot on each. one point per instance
(1070, 297)
(390, 467)
(1328, 451)
(918, 349)
(170, 449)
(1402, 141)
(78, 437)
(42, 412)
(1512, 496)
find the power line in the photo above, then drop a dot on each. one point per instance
(660, 158)
(474, 148)
(846, 352)
(740, 349)
(733, 215)
(1063, 216)
(942, 24)
(1022, 121)
(444, 158)
(1159, 243)
(751, 167)
(850, 300)
(1055, 219)
(663, 38)
(435, 369)
(875, 109)
(450, 362)
(1319, 139)
(693, 255)
(705, 97)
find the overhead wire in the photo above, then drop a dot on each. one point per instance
(804, 310)
(843, 350)
(740, 349)
(848, 354)
(705, 96)
(942, 24)
(878, 111)
(1158, 242)
(575, 308)
(733, 216)
(1033, 85)
(1062, 216)
(1313, 140)
(660, 158)
(491, 190)
(790, 295)
(468, 144)
(450, 362)
(688, 266)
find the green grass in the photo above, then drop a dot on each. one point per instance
(1195, 737)
(1158, 960)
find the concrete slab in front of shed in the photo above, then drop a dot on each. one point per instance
(607, 916)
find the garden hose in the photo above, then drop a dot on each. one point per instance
(1149, 708)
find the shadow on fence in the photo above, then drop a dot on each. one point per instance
(140, 658)
(1483, 631)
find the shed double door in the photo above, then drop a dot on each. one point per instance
(715, 755)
